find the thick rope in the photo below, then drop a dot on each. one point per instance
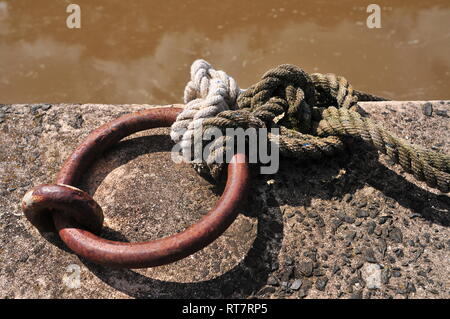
(426, 165)
(313, 113)
(208, 93)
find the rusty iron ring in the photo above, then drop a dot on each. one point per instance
(43, 204)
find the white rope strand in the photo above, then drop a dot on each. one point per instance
(208, 93)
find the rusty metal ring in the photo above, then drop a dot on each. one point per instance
(40, 203)
(141, 254)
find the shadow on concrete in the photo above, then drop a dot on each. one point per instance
(129, 150)
(366, 168)
(362, 167)
(246, 278)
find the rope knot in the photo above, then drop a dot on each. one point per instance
(208, 93)
(313, 113)
(285, 91)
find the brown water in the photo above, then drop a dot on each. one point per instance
(140, 51)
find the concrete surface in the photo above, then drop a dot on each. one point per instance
(351, 227)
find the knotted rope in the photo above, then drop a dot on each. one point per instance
(207, 94)
(313, 113)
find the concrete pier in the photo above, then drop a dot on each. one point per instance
(353, 227)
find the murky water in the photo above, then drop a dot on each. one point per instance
(140, 51)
